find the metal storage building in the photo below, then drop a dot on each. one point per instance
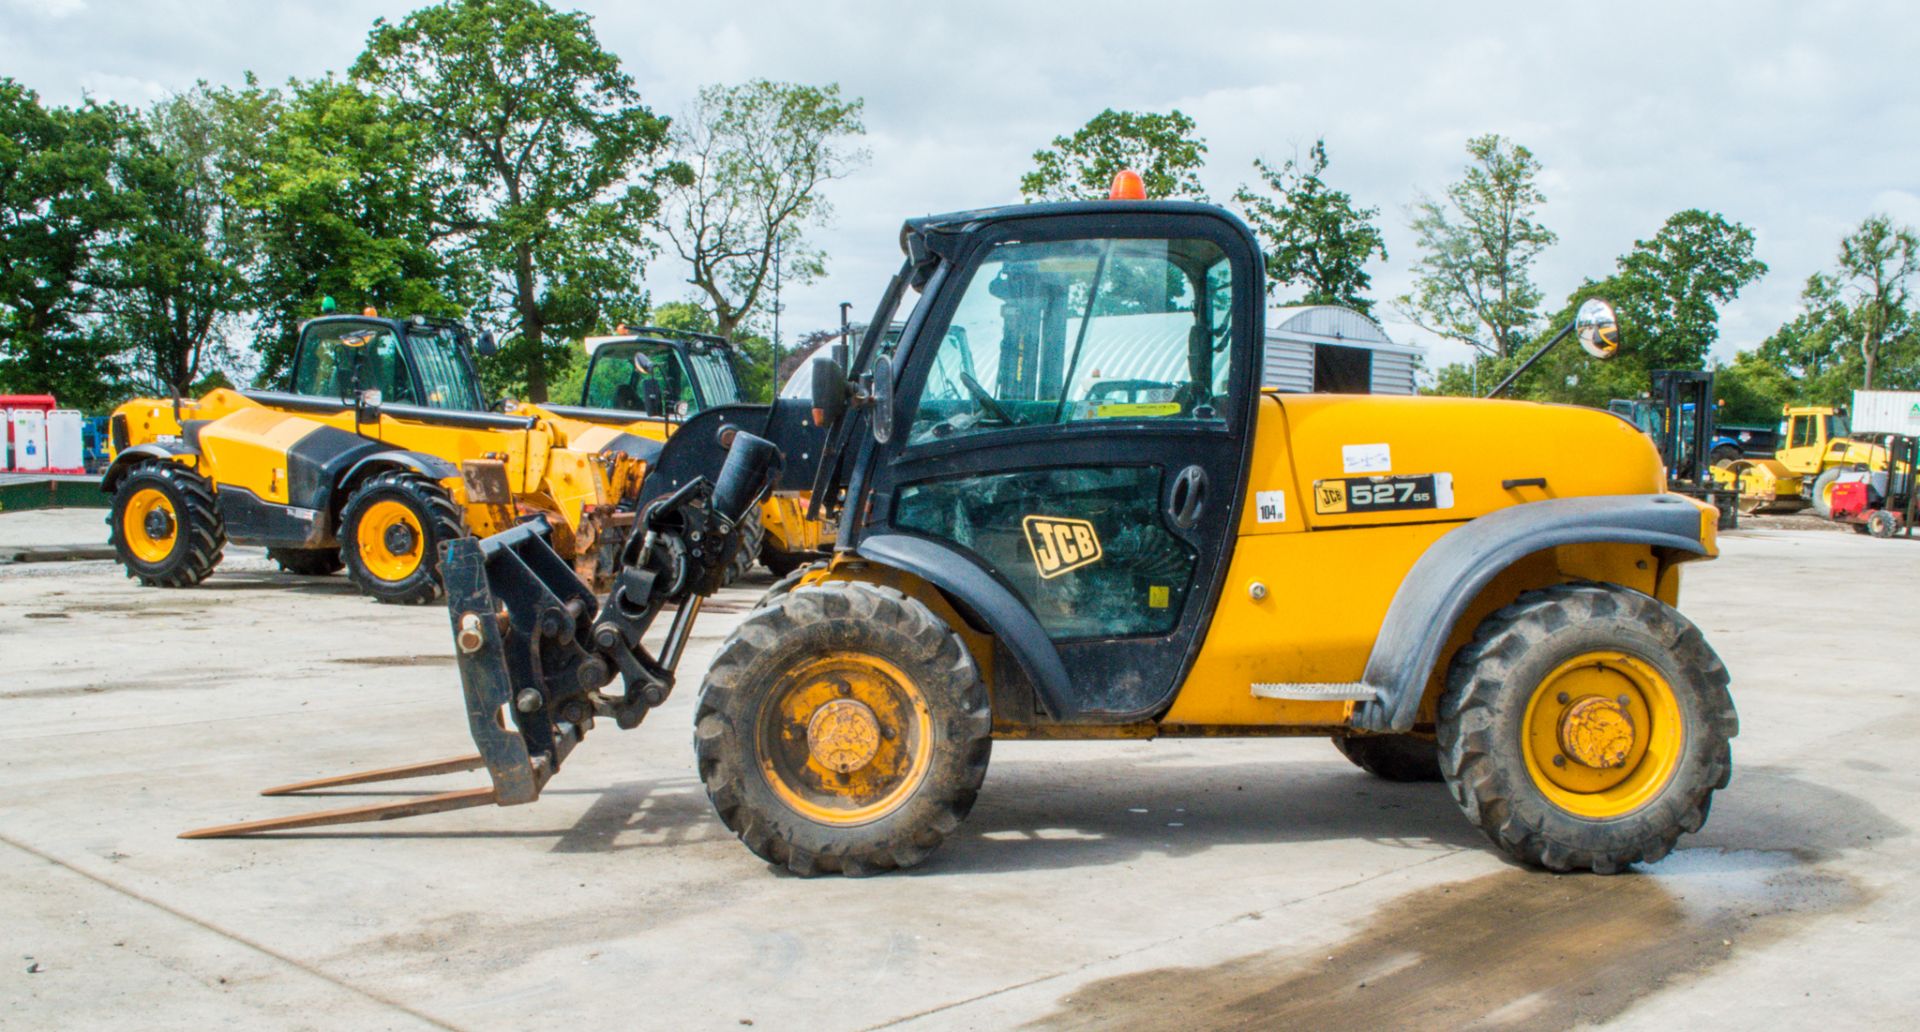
(1333, 349)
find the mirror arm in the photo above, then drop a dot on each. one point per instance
(1531, 359)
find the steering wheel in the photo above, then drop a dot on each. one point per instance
(987, 401)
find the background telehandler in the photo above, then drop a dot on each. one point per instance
(1442, 586)
(381, 449)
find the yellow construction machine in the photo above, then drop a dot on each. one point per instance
(1444, 587)
(380, 450)
(1815, 447)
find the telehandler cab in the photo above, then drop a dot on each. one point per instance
(1442, 586)
(381, 449)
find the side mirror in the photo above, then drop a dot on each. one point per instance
(829, 392)
(485, 345)
(642, 364)
(882, 394)
(1598, 328)
(505, 403)
(366, 407)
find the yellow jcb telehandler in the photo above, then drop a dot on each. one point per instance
(381, 450)
(1441, 586)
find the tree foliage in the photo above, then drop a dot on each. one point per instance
(345, 198)
(756, 156)
(1667, 292)
(1317, 241)
(1164, 148)
(1472, 282)
(548, 157)
(174, 269)
(56, 207)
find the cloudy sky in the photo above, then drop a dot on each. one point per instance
(1797, 119)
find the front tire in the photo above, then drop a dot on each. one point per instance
(390, 534)
(1822, 497)
(843, 729)
(1586, 727)
(165, 526)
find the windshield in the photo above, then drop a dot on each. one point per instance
(714, 376)
(341, 359)
(1063, 331)
(677, 384)
(445, 375)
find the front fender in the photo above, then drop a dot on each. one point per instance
(140, 454)
(1012, 623)
(1437, 591)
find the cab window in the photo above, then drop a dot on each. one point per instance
(1055, 332)
(339, 360)
(444, 373)
(665, 390)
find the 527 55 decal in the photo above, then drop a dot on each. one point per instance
(1354, 495)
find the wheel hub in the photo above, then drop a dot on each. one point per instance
(1596, 732)
(158, 524)
(843, 735)
(400, 539)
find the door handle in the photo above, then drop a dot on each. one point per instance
(1188, 497)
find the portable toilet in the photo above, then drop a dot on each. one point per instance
(66, 445)
(28, 429)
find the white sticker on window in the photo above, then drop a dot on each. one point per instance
(1366, 458)
(1270, 506)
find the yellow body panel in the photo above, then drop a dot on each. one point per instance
(248, 449)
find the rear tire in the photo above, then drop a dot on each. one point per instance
(1392, 757)
(391, 532)
(1725, 455)
(165, 526)
(308, 562)
(843, 729)
(1586, 727)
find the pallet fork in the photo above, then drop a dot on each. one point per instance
(521, 615)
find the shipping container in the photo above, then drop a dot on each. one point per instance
(1886, 412)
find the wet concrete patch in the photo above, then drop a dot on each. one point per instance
(1516, 949)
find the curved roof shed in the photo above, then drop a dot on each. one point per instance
(1331, 348)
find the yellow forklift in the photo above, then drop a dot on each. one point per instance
(1480, 592)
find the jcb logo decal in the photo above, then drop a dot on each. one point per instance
(1060, 544)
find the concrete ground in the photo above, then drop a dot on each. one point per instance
(1256, 883)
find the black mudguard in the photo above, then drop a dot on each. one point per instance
(1453, 571)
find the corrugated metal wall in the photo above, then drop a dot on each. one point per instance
(1392, 372)
(1289, 365)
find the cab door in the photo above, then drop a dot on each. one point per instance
(1072, 418)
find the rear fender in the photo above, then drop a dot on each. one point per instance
(1444, 582)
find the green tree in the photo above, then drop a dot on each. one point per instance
(551, 153)
(1163, 148)
(1877, 262)
(1316, 240)
(56, 208)
(346, 202)
(1667, 291)
(757, 157)
(1472, 282)
(173, 273)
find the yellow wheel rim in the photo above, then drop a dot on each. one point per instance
(845, 739)
(150, 525)
(390, 541)
(1602, 734)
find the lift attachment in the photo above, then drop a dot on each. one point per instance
(536, 648)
